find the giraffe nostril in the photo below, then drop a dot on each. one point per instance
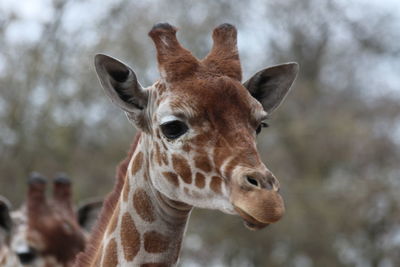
(252, 181)
(261, 181)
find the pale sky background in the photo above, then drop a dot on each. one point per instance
(83, 14)
(33, 12)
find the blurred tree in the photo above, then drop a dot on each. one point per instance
(334, 144)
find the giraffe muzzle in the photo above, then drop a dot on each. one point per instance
(256, 199)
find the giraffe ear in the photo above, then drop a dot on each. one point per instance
(271, 85)
(120, 84)
(5, 218)
(88, 212)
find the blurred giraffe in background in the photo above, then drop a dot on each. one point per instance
(196, 147)
(44, 232)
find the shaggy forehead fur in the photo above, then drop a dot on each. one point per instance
(220, 101)
(207, 90)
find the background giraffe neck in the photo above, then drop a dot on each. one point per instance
(146, 226)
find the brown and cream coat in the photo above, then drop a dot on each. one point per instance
(196, 147)
(44, 232)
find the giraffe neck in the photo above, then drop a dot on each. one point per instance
(146, 227)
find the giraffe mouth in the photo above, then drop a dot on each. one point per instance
(250, 222)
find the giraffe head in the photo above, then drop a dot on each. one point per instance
(44, 232)
(200, 124)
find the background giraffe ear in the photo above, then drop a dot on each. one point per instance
(5, 217)
(271, 85)
(88, 212)
(120, 84)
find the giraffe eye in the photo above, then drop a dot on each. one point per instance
(173, 129)
(260, 126)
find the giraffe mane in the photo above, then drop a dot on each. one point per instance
(110, 203)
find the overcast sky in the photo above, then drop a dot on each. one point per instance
(32, 13)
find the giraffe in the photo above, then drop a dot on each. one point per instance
(195, 147)
(44, 233)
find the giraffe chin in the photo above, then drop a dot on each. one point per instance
(250, 222)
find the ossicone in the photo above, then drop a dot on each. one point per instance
(224, 56)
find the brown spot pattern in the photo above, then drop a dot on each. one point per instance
(201, 140)
(137, 163)
(155, 242)
(130, 237)
(215, 184)
(143, 205)
(186, 147)
(200, 180)
(172, 178)
(111, 255)
(202, 162)
(182, 168)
